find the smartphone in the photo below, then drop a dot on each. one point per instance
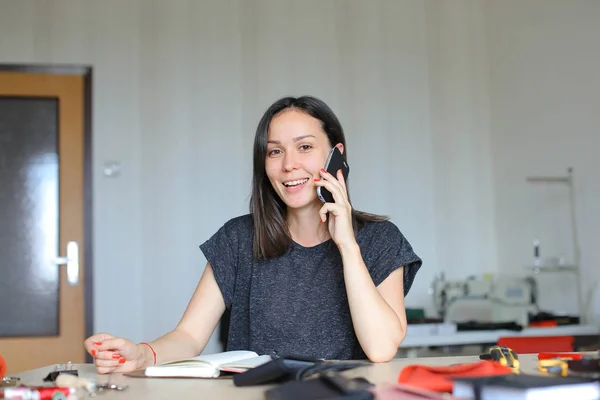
(335, 162)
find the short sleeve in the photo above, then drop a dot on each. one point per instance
(385, 249)
(221, 251)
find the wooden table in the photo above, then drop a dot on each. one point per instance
(162, 388)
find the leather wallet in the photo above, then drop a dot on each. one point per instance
(290, 369)
(275, 371)
(328, 385)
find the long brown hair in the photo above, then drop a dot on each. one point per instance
(271, 235)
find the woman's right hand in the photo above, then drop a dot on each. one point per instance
(115, 354)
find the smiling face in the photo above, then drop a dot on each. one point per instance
(297, 149)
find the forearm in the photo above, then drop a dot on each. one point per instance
(192, 333)
(377, 326)
(174, 345)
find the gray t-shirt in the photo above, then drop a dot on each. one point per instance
(296, 304)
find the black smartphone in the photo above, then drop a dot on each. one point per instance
(335, 162)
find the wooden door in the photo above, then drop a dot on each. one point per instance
(42, 303)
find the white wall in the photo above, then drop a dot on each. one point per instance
(545, 91)
(463, 188)
(179, 88)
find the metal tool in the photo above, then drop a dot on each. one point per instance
(554, 366)
(9, 381)
(92, 387)
(111, 386)
(503, 356)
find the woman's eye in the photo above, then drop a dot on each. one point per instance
(305, 147)
(274, 152)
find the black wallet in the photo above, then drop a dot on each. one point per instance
(329, 385)
(275, 371)
(289, 369)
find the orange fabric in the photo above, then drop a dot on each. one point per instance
(436, 377)
(2, 367)
(538, 344)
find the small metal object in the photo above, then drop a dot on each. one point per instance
(97, 387)
(9, 381)
(68, 368)
(111, 386)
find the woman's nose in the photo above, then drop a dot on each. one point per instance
(290, 162)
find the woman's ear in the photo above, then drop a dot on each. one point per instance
(341, 147)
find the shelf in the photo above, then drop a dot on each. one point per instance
(540, 269)
(568, 181)
(415, 339)
(549, 179)
(552, 179)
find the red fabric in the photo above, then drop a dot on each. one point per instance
(537, 344)
(2, 367)
(436, 377)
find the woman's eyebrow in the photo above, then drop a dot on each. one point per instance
(297, 138)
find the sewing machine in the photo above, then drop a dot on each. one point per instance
(485, 299)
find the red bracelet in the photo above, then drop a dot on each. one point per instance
(151, 349)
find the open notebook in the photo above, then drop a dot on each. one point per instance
(208, 366)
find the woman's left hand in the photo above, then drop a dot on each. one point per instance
(340, 221)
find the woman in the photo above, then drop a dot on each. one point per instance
(299, 276)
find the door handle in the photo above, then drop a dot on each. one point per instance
(72, 263)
